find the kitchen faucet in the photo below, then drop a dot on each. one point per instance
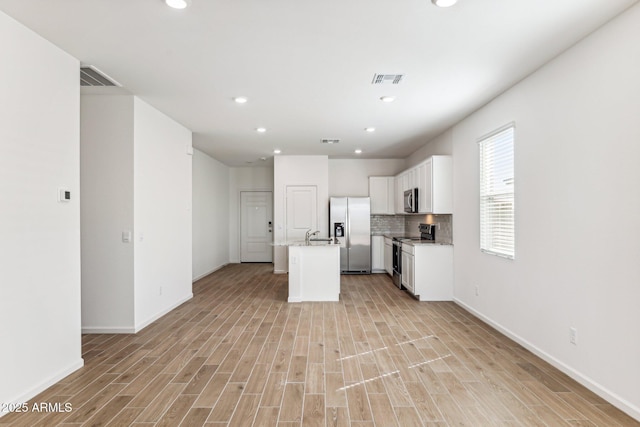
(308, 235)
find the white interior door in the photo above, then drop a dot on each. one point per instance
(302, 211)
(256, 226)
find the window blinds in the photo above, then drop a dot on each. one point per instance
(497, 227)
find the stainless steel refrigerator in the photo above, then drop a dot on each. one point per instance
(350, 224)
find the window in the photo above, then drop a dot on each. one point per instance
(497, 227)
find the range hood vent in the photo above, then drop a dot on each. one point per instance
(91, 76)
(380, 79)
(330, 140)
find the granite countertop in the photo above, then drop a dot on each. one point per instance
(414, 242)
(392, 235)
(302, 243)
(426, 242)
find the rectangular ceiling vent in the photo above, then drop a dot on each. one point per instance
(91, 76)
(381, 79)
(329, 140)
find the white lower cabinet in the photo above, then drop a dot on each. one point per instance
(429, 271)
(388, 255)
(377, 254)
(408, 268)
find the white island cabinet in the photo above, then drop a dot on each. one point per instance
(314, 272)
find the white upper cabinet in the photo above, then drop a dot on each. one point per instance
(425, 191)
(434, 180)
(381, 192)
(435, 188)
(412, 179)
(399, 196)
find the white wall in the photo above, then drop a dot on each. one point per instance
(350, 177)
(40, 238)
(257, 178)
(440, 145)
(298, 170)
(210, 214)
(577, 202)
(162, 214)
(106, 171)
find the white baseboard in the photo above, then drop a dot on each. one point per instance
(140, 326)
(611, 397)
(34, 391)
(109, 330)
(294, 299)
(133, 329)
(195, 279)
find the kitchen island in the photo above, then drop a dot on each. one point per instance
(314, 272)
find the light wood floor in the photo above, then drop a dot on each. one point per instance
(238, 355)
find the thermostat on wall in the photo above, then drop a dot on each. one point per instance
(64, 195)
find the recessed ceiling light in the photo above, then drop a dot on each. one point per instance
(358, 151)
(370, 129)
(444, 3)
(276, 151)
(261, 130)
(177, 4)
(387, 98)
(240, 99)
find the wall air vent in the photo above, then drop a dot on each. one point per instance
(91, 76)
(329, 140)
(380, 79)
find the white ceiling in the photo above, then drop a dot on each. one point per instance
(307, 67)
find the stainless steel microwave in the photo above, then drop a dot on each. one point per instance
(411, 200)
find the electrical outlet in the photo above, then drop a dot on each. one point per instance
(160, 291)
(477, 290)
(573, 336)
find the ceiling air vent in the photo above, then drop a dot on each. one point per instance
(380, 79)
(91, 76)
(329, 140)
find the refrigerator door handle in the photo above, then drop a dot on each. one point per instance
(347, 233)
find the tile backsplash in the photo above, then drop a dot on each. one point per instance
(408, 225)
(444, 232)
(393, 224)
